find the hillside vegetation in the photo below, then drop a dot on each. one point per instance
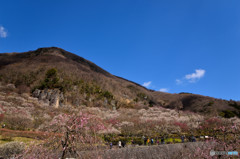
(85, 84)
(56, 104)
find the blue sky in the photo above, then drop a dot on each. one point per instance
(171, 45)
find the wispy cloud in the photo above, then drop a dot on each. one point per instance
(164, 90)
(199, 73)
(147, 84)
(192, 77)
(3, 32)
(178, 81)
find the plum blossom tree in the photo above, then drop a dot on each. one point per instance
(228, 138)
(78, 133)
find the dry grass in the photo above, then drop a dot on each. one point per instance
(29, 69)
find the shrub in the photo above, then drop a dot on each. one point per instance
(211, 103)
(23, 89)
(107, 95)
(38, 151)
(151, 103)
(135, 100)
(1, 117)
(183, 126)
(227, 114)
(79, 133)
(51, 79)
(120, 138)
(51, 73)
(234, 104)
(138, 141)
(18, 122)
(6, 136)
(184, 93)
(12, 148)
(38, 121)
(142, 96)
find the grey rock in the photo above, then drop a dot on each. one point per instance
(36, 93)
(105, 103)
(77, 102)
(90, 99)
(113, 103)
(51, 97)
(11, 86)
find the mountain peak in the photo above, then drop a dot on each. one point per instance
(49, 48)
(50, 51)
(47, 54)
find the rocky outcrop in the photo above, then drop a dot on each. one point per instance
(52, 97)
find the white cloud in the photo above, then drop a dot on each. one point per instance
(164, 90)
(147, 84)
(191, 78)
(178, 81)
(199, 73)
(3, 32)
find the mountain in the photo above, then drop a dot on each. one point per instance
(82, 83)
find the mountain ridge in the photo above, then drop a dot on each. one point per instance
(29, 69)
